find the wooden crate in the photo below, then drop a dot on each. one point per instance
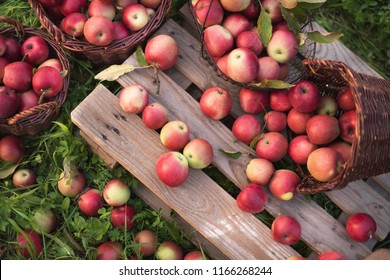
(201, 206)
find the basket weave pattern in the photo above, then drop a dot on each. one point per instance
(371, 149)
(38, 118)
(114, 53)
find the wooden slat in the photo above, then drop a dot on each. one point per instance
(383, 180)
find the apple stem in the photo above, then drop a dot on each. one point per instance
(40, 101)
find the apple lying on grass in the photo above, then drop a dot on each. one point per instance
(12, 149)
(90, 202)
(195, 255)
(44, 220)
(116, 192)
(147, 242)
(122, 217)
(169, 250)
(109, 251)
(23, 177)
(29, 243)
(71, 184)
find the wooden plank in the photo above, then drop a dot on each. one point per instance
(129, 142)
(383, 180)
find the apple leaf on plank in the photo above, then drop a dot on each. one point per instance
(272, 84)
(233, 155)
(324, 38)
(264, 27)
(113, 72)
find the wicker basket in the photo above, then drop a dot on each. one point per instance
(371, 149)
(114, 53)
(38, 118)
(296, 72)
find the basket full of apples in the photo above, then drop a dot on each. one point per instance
(34, 79)
(347, 126)
(105, 31)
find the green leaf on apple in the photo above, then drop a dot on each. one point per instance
(113, 72)
(324, 38)
(231, 154)
(264, 27)
(272, 84)
(140, 56)
(5, 172)
(292, 21)
(255, 140)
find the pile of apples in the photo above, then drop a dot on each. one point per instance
(231, 37)
(29, 75)
(100, 22)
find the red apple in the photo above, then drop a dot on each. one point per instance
(300, 148)
(280, 25)
(109, 251)
(3, 45)
(169, 250)
(222, 63)
(252, 198)
(99, 31)
(327, 106)
(73, 24)
(12, 149)
(44, 221)
(28, 99)
(253, 101)
(259, 171)
(361, 227)
(208, 12)
(122, 217)
(195, 255)
(253, 10)
(9, 102)
(116, 192)
(304, 96)
(23, 178)
(124, 3)
(35, 50)
(272, 7)
(48, 87)
(250, 40)
(199, 153)
(154, 115)
(324, 164)
(284, 70)
(153, 4)
(98, 8)
(90, 202)
(133, 98)
(345, 100)
(286, 230)
(282, 46)
(174, 135)
(218, 40)
(272, 146)
(296, 121)
(216, 103)
(348, 126)
(242, 65)
(322, 129)
(235, 6)
(135, 17)
(344, 150)
(71, 185)
(275, 121)
(245, 128)
(18, 75)
(121, 30)
(269, 69)
(13, 52)
(147, 242)
(283, 184)
(279, 101)
(49, 3)
(162, 52)
(3, 63)
(71, 6)
(236, 24)
(29, 244)
(172, 168)
(331, 255)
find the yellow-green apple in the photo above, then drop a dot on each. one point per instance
(71, 6)
(235, 6)
(252, 11)
(324, 164)
(48, 87)
(154, 115)
(109, 250)
(135, 17)
(172, 168)
(121, 30)
(283, 46)
(269, 69)
(99, 31)
(283, 184)
(236, 24)
(195, 255)
(345, 100)
(272, 146)
(199, 153)
(259, 171)
(147, 242)
(250, 40)
(12, 52)
(253, 101)
(116, 192)
(133, 98)
(49, 3)
(360, 226)
(151, 13)
(275, 121)
(169, 250)
(286, 230)
(218, 40)
(122, 217)
(9, 102)
(73, 24)
(53, 62)
(322, 129)
(272, 7)
(343, 148)
(279, 101)
(304, 96)
(90, 202)
(71, 184)
(216, 103)
(284, 69)
(29, 244)
(174, 135)
(153, 4)
(299, 149)
(331, 255)
(12, 149)
(327, 106)
(44, 220)
(28, 99)
(208, 12)
(3, 45)
(98, 8)
(348, 125)
(121, 4)
(3, 63)
(162, 52)
(24, 177)
(242, 65)
(252, 199)
(222, 63)
(296, 121)
(34, 50)
(18, 75)
(245, 128)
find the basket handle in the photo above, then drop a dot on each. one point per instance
(18, 26)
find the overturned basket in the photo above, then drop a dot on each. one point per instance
(371, 148)
(38, 118)
(114, 53)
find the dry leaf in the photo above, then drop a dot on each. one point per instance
(113, 72)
